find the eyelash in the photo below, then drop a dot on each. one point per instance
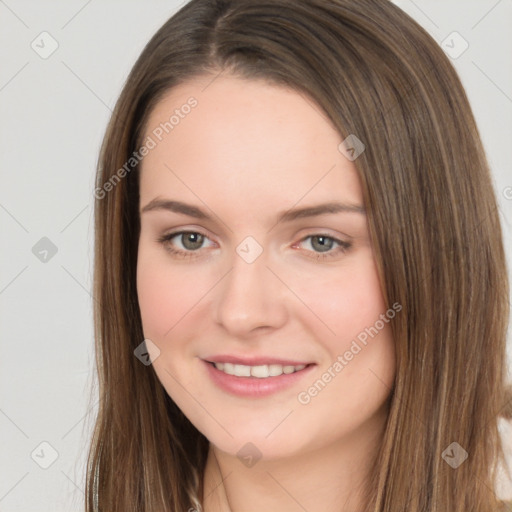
(342, 248)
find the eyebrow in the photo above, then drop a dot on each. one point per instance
(285, 216)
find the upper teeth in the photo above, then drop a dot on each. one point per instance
(263, 371)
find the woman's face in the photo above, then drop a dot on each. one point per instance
(254, 254)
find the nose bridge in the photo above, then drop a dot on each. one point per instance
(250, 295)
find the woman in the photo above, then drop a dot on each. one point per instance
(300, 272)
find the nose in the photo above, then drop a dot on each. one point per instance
(250, 298)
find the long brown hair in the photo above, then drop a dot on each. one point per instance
(433, 222)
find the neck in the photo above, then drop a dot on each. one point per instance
(331, 479)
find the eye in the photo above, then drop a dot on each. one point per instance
(190, 241)
(324, 246)
(184, 243)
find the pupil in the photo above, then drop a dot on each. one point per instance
(192, 240)
(324, 243)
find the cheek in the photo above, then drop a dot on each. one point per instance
(164, 297)
(358, 369)
(154, 297)
(346, 302)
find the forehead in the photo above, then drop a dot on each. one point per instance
(244, 138)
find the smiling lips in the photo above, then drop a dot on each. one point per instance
(255, 377)
(259, 367)
(260, 371)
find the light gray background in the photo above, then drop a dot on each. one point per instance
(53, 114)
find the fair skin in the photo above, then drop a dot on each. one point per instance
(248, 152)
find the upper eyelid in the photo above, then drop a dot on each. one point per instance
(342, 241)
(172, 233)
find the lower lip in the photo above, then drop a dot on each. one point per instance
(253, 387)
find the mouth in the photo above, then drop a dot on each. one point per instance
(255, 377)
(262, 371)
